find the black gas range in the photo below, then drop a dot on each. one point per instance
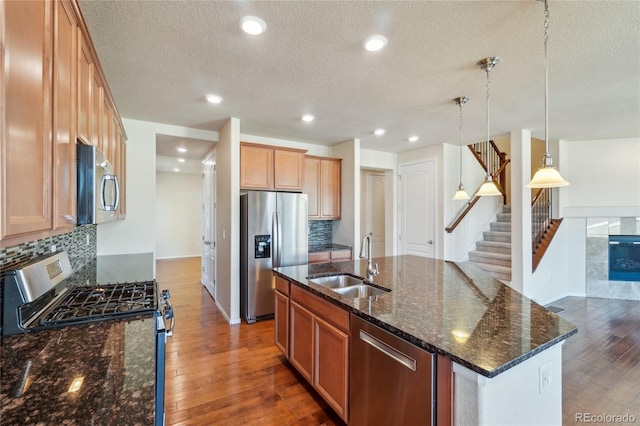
(44, 294)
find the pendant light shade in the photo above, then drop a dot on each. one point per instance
(460, 194)
(489, 187)
(546, 176)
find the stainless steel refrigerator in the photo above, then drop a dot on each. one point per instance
(273, 233)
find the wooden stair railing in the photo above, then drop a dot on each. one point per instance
(543, 227)
(474, 200)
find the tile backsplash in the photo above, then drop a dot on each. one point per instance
(80, 243)
(320, 232)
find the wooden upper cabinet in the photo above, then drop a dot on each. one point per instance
(65, 74)
(311, 184)
(288, 169)
(268, 167)
(85, 83)
(26, 127)
(322, 183)
(256, 167)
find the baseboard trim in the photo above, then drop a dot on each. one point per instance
(178, 257)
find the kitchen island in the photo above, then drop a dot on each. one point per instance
(101, 373)
(504, 348)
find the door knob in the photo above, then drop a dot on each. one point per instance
(430, 242)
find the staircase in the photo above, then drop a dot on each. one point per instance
(493, 253)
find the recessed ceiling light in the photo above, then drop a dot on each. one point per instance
(413, 139)
(308, 118)
(176, 170)
(375, 43)
(379, 132)
(181, 149)
(181, 160)
(214, 99)
(252, 25)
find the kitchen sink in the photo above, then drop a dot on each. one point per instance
(360, 291)
(348, 286)
(337, 281)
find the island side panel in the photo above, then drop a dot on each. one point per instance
(519, 396)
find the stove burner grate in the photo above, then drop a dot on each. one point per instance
(90, 303)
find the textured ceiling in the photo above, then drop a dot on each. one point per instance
(162, 58)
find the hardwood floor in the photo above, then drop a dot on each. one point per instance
(233, 375)
(217, 374)
(601, 363)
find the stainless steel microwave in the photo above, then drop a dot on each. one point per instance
(98, 187)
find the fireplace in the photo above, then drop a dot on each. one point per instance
(624, 257)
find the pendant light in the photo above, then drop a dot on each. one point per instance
(489, 187)
(460, 194)
(547, 176)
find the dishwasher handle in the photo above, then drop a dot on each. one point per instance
(391, 352)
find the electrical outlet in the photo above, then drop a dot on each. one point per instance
(88, 240)
(53, 248)
(544, 375)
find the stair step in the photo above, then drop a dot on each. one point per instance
(494, 247)
(504, 237)
(490, 258)
(497, 271)
(506, 208)
(503, 217)
(500, 226)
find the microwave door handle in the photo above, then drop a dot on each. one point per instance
(103, 187)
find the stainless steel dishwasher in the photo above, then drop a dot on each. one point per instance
(390, 380)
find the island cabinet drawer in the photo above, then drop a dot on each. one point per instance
(324, 309)
(282, 285)
(340, 255)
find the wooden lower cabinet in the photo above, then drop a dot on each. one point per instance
(282, 322)
(329, 256)
(301, 341)
(331, 365)
(318, 344)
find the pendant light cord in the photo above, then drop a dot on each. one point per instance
(489, 175)
(460, 142)
(546, 82)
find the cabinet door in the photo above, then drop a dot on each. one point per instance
(340, 255)
(311, 185)
(85, 80)
(331, 367)
(282, 323)
(106, 128)
(96, 110)
(301, 339)
(256, 167)
(122, 176)
(64, 123)
(25, 132)
(288, 169)
(330, 184)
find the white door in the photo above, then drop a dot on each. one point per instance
(417, 208)
(209, 225)
(373, 210)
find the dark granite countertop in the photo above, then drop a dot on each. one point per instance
(327, 247)
(453, 309)
(113, 362)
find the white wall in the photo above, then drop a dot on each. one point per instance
(347, 229)
(137, 233)
(604, 177)
(178, 210)
(228, 221)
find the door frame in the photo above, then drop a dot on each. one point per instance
(211, 198)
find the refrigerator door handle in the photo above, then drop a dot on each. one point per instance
(275, 228)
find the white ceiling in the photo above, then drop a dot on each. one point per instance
(161, 58)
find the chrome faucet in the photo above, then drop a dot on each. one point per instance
(370, 269)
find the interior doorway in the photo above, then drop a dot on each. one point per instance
(373, 210)
(418, 208)
(209, 224)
